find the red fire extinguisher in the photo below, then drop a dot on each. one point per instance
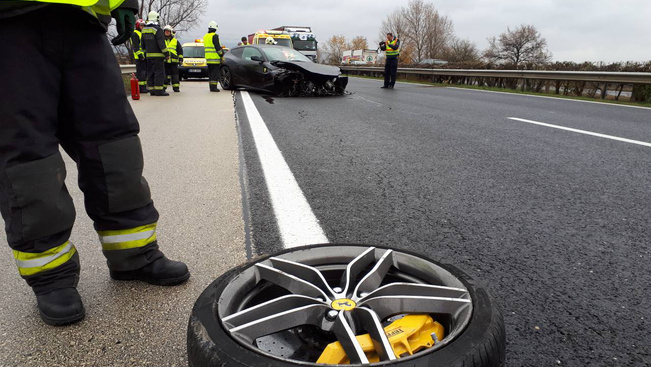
(135, 89)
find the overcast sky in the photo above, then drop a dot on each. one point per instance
(576, 30)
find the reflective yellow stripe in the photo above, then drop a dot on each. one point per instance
(33, 263)
(154, 54)
(125, 239)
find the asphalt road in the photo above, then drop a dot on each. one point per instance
(554, 222)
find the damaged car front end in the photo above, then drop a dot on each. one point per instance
(279, 70)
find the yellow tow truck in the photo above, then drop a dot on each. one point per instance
(281, 38)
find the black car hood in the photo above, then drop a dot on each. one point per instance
(310, 67)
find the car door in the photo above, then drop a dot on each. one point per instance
(256, 73)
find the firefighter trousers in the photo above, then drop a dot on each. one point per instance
(390, 71)
(155, 73)
(213, 75)
(172, 75)
(141, 72)
(72, 96)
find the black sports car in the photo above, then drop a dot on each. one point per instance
(279, 70)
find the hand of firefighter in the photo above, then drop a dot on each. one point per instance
(125, 22)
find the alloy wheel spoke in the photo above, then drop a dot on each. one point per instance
(266, 309)
(306, 315)
(386, 306)
(411, 289)
(374, 277)
(346, 336)
(374, 327)
(355, 267)
(289, 282)
(305, 272)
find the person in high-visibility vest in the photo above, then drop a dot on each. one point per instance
(62, 86)
(153, 42)
(139, 56)
(172, 62)
(214, 54)
(244, 42)
(391, 48)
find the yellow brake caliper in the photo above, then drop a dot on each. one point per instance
(407, 336)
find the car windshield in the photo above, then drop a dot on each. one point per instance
(284, 54)
(283, 42)
(305, 45)
(194, 51)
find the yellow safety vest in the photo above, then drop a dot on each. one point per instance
(171, 47)
(212, 57)
(391, 51)
(101, 9)
(140, 51)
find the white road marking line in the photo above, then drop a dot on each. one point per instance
(583, 132)
(297, 223)
(557, 98)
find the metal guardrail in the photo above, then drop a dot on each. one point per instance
(587, 76)
(128, 69)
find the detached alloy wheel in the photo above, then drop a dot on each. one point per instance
(345, 304)
(225, 77)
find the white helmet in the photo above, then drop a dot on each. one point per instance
(153, 16)
(212, 24)
(270, 41)
(168, 28)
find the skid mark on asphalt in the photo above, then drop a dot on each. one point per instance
(297, 223)
(582, 132)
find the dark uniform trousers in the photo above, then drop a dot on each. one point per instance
(390, 71)
(155, 73)
(141, 72)
(72, 96)
(213, 75)
(172, 74)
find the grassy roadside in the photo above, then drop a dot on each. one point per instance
(506, 90)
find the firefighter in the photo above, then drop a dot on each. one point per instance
(172, 62)
(391, 48)
(72, 95)
(139, 56)
(153, 42)
(214, 55)
(245, 42)
(270, 41)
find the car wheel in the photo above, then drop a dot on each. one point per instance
(226, 77)
(345, 304)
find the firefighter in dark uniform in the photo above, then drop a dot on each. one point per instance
(153, 42)
(391, 48)
(139, 56)
(72, 95)
(214, 55)
(172, 63)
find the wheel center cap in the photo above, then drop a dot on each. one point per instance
(343, 304)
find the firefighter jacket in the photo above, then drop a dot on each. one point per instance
(136, 45)
(175, 49)
(153, 41)
(99, 10)
(213, 48)
(392, 49)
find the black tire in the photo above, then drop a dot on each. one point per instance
(481, 344)
(226, 78)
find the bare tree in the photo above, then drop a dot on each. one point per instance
(421, 28)
(334, 49)
(461, 51)
(523, 45)
(180, 14)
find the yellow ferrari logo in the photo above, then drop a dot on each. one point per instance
(343, 304)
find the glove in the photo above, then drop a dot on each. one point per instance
(141, 57)
(125, 20)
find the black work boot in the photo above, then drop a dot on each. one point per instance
(61, 306)
(215, 90)
(176, 89)
(162, 271)
(143, 89)
(161, 93)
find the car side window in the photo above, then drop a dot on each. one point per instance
(250, 52)
(237, 52)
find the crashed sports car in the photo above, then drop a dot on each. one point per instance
(279, 70)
